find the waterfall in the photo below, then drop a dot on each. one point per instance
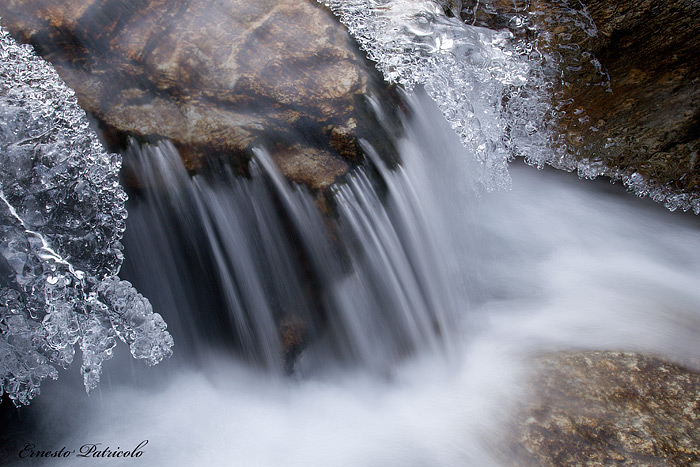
(371, 284)
(556, 264)
(387, 322)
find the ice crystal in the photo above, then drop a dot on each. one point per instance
(466, 70)
(493, 68)
(495, 79)
(499, 71)
(62, 217)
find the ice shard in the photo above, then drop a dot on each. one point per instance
(62, 216)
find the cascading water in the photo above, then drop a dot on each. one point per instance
(554, 264)
(262, 255)
(407, 319)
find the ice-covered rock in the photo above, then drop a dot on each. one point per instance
(466, 70)
(523, 78)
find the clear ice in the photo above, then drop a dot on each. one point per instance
(466, 70)
(498, 84)
(62, 217)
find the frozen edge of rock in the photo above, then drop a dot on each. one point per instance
(416, 43)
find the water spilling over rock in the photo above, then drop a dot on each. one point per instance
(397, 266)
(364, 286)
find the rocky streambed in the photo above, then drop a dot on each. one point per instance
(218, 78)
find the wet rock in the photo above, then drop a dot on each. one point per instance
(627, 89)
(216, 77)
(312, 167)
(293, 338)
(649, 120)
(609, 408)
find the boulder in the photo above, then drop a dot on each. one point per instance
(216, 77)
(609, 408)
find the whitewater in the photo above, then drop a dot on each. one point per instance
(438, 281)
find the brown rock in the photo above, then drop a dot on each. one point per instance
(650, 118)
(627, 83)
(609, 408)
(293, 338)
(213, 76)
(314, 168)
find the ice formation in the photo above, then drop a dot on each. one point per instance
(464, 69)
(62, 217)
(496, 70)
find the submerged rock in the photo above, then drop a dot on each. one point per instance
(214, 77)
(610, 408)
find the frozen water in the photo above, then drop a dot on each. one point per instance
(494, 82)
(498, 72)
(466, 70)
(62, 217)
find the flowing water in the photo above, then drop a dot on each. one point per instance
(260, 258)
(432, 309)
(396, 330)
